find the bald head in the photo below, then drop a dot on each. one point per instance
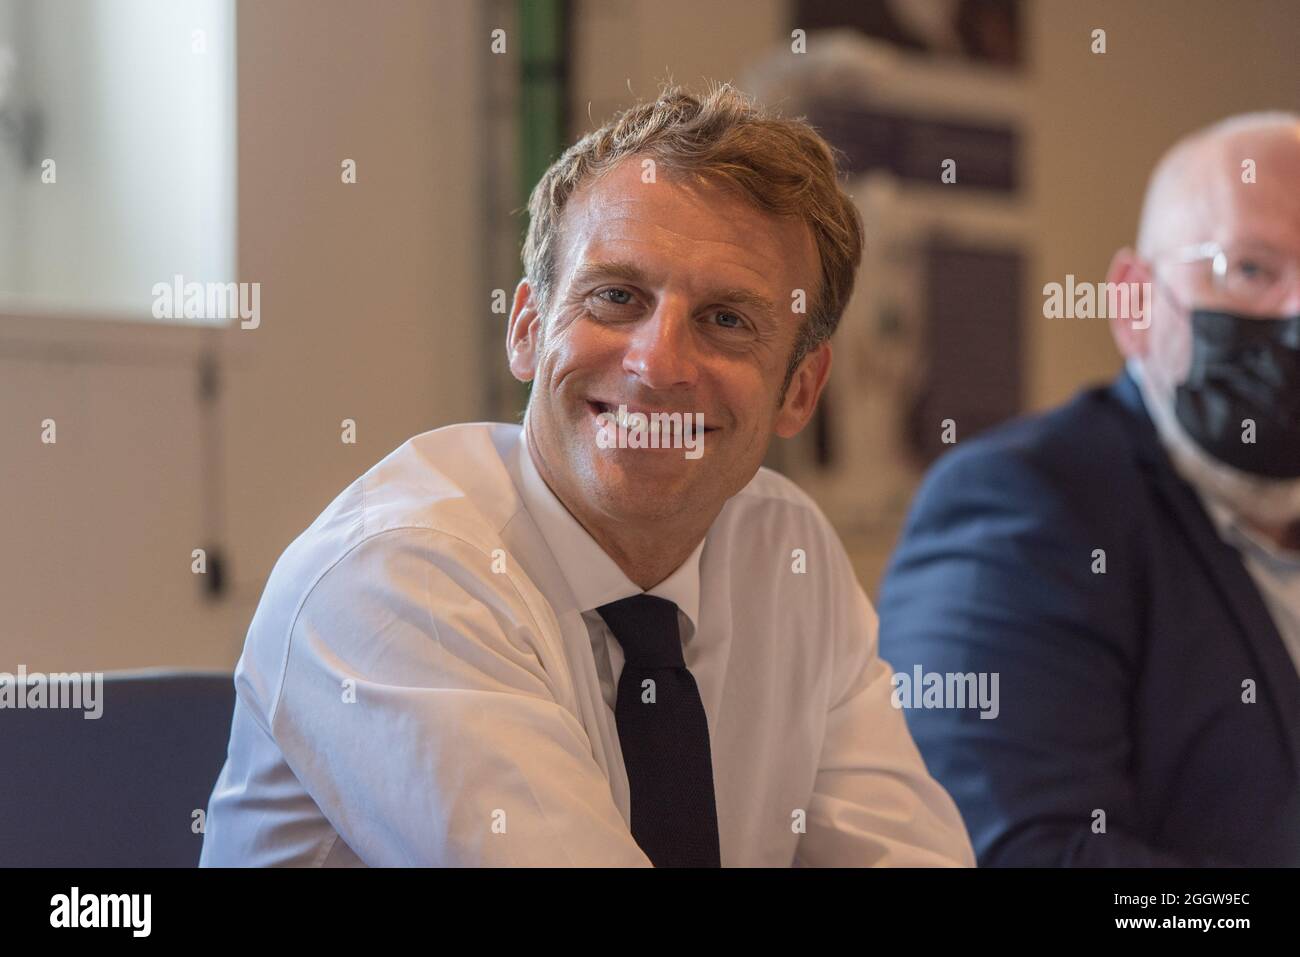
(1197, 194)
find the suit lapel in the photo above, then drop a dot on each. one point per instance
(1223, 565)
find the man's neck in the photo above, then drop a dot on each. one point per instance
(647, 553)
(647, 556)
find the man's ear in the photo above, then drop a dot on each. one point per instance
(523, 337)
(805, 388)
(1129, 327)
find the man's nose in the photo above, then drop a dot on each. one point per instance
(662, 349)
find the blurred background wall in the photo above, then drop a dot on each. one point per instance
(377, 297)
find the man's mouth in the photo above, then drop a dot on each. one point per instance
(670, 421)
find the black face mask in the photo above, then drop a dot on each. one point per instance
(1244, 367)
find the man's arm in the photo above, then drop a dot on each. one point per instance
(420, 709)
(873, 803)
(995, 575)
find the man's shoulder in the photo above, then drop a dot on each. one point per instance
(771, 493)
(774, 543)
(1076, 465)
(455, 481)
(437, 501)
(771, 510)
(456, 478)
(1086, 441)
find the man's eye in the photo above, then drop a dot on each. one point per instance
(1254, 271)
(728, 320)
(621, 297)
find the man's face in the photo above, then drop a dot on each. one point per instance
(1209, 202)
(670, 296)
(1221, 208)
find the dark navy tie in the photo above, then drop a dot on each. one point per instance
(664, 735)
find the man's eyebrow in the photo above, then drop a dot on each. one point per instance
(631, 273)
(608, 269)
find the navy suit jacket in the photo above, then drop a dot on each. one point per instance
(1119, 691)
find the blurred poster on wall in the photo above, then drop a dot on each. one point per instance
(988, 31)
(927, 114)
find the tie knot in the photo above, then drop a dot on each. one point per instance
(646, 628)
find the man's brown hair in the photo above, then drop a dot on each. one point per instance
(780, 165)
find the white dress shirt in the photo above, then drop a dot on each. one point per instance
(426, 682)
(1275, 571)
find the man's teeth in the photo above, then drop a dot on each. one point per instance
(654, 424)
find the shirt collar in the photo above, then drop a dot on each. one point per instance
(594, 578)
(1231, 529)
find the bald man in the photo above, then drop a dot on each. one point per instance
(1128, 565)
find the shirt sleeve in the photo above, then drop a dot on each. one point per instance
(874, 803)
(421, 709)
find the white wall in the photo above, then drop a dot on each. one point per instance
(625, 49)
(370, 305)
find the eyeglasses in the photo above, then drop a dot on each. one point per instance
(1255, 277)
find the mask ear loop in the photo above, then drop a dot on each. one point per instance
(1165, 288)
(1158, 282)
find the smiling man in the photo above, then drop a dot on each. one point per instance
(510, 645)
